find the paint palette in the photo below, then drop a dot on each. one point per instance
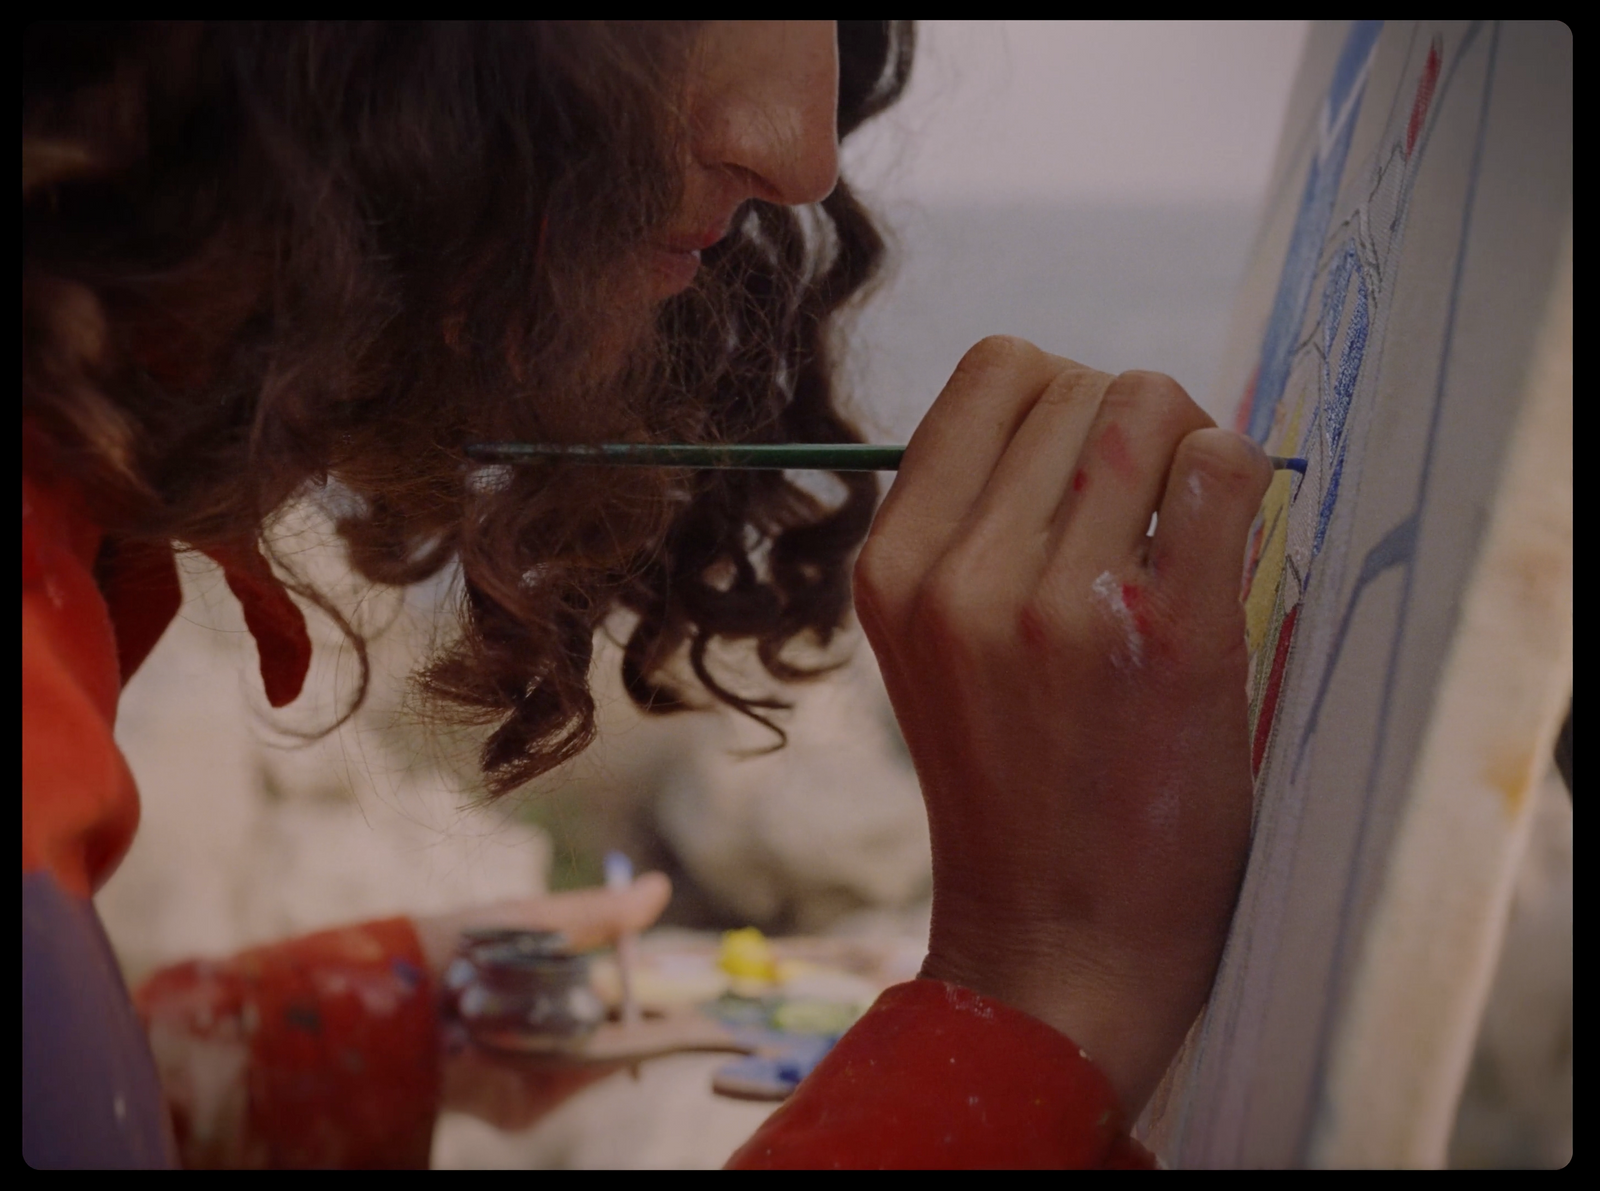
(780, 1005)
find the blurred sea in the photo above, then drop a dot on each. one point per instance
(1112, 287)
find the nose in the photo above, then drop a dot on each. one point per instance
(768, 119)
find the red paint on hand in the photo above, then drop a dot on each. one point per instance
(1115, 451)
(1241, 416)
(1031, 628)
(1133, 598)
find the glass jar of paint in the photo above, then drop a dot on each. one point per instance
(522, 990)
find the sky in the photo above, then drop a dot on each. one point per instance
(1045, 112)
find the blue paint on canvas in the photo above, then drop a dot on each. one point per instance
(1311, 224)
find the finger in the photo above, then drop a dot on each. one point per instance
(1213, 494)
(596, 917)
(511, 1092)
(587, 917)
(1123, 469)
(955, 449)
(1041, 461)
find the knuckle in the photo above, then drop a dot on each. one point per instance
(1074, 384)
(997, 353)
(1224, 460)
(943, 602)
(1043, 626)
(951, 608)
(1157, 396)
(878, 588)
(1154, 385)
(875, 569)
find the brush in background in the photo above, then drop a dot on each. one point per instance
(741, 457)
(619, 875)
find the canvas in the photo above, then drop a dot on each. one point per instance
(1405, 326)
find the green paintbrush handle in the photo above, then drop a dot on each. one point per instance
(745, 457)
(768, 456)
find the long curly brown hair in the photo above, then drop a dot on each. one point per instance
(263, 260)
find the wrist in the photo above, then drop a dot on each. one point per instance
(1130, 1023)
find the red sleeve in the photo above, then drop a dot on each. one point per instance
(79, 804)
(938, 1077)
(318, 1052)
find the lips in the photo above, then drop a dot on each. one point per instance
(673, 271)
(677, 257)
(696, 241)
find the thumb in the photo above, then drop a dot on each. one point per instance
(595, 917)
(1213, 494)
(587, 917)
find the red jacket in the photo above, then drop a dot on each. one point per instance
(331, 1040)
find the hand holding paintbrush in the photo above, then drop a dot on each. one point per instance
(1071, 687)
(1070, 682)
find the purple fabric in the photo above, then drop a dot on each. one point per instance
(90, 1096)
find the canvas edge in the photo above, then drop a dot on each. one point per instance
(1405, 1039)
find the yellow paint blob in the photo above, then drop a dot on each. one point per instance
(746, 955)
(1511, 772)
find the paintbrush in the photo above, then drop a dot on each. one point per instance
(619, 875)
(740, 456)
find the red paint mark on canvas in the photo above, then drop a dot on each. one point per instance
(1241, 416)
(1269, 700)
(1419, 106)
(1114, 449)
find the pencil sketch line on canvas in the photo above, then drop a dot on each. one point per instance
(1398, 547)
(1287, 541)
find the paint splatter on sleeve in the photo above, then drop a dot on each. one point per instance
(939, 1077)
(318, 1052)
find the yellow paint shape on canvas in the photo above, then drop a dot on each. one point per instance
(1283, 437)
(1291, 437)
(1263, 597)
(1511, 772)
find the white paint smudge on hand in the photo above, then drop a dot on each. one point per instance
(1109, 592)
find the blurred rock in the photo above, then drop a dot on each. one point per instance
(830, 824)
(244, 840)
(788, 840)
